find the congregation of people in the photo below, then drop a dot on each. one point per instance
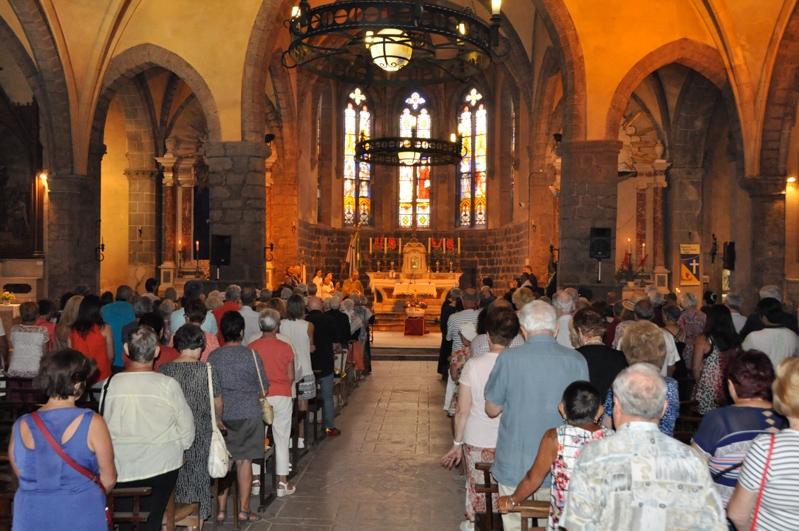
(165, 370)
(574, 401)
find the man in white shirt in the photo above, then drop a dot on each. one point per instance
(251, 328)
(563, 301)
(733, 302)
(776, 341)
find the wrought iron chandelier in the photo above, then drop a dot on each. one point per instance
(409, 151)
(392, 42)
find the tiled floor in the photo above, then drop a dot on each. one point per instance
(383, 472)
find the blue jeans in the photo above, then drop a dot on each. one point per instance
(326, 382)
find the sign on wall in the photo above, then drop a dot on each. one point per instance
(689, 264)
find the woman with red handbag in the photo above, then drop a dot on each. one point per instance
(62, 454)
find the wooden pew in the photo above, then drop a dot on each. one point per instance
(489, 520)
(135, 517)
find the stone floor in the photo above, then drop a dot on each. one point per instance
(383, 472)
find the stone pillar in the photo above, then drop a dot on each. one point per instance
(270, 180)
(184, 175)
(73, 234)
(588, 197)
(685, 215)
(168, 266)
(237, 182)
(768, 222)
(141, 220)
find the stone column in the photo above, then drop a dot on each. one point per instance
(168, 266)
(588, 197)
(768, 223)
(73, 234)
(237, 182)
(268, 255)
(141, 220)
(184, 175)
(685, 215)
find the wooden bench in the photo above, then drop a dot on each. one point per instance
(136, 517)
(180, 514)
(533, 510)
(489, 520)
(268, 475)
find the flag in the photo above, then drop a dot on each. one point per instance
(349, 260)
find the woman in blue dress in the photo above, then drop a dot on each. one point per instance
(53, 495)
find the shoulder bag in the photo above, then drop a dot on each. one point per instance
(71, 462)
(218, 456)
(267, 413)
(763, 483)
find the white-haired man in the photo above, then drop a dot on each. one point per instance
(754, 323)
(733, 301)
(526, 386)
(564, 302)
(640, 478)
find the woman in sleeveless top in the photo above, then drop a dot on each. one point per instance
(91, 336)
(52, 495)
(30, 343)
(559, 449)
(712, 349)
(64, 327)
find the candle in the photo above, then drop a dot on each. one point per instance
(629, 246)
(444, 245)
(180, 244)
(370, 245)
(385, 245)
(428, 245)
(399, 244)
(459, 246)
(197, 246)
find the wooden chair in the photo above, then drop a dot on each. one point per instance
(180, 514)
(268, 470)
(298, 418)
(489, 520)
(136, 517)
(535, 510)
(685, 427)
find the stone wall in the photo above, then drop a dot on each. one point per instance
(238, 202)
(496, 253)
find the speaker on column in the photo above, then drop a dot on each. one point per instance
(600, 243)
(220, 249)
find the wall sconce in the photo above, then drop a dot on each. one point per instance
(791, 179)
(293, 226)
(269, 252)
(534, 226)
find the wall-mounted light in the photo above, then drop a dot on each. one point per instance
(42, 176)
(791, 179)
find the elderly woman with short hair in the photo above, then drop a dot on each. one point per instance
(726, 434)
(30, 342)
(241, 372)
(643, 342)
(770, 474)
(278, 360)
(151, 426)
(521, 297)
(604, 363)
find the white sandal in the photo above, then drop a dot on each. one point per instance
(284, 490)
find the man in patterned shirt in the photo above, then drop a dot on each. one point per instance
(639, 478)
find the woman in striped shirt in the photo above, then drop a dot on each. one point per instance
(768, 487)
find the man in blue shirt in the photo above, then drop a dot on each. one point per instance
(526, 386)
(117, 315)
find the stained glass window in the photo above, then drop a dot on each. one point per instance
(473, 127)
(415, 118)
(357, 175)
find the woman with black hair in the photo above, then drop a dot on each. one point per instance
(93, 337)
(241, 372)
(775, 340)
(712, 349)
(581, 410)
(52, 494)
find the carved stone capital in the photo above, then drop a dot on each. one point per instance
(764, 185)
(140, 175)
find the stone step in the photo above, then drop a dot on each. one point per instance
(405, 354)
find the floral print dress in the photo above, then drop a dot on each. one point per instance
(571, 440)
(709, 389)
(457, 361)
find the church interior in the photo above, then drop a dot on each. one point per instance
(135, 132)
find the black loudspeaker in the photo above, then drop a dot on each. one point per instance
(600, 243)
(729, 256)
(220, 249)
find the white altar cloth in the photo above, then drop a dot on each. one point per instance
(420, 288)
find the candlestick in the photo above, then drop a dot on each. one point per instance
(399, 245)
(444, 245)
(428, 245)
(370, 245)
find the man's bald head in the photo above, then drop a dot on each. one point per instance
(314, 303)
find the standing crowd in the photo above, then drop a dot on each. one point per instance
(574, 401)
(163, 368)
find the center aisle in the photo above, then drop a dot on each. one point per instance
(383, 472)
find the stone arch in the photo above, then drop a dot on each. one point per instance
(50, 85)
(781, 102)
(703, 58)
(140, 58)
(692, 115)
(139, 127)
(560, 26)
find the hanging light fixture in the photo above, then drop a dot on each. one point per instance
(392, 42)
(409, 151)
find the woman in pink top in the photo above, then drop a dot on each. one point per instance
(278, 359)
(476, 433)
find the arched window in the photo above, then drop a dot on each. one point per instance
(357, 176)
(415, 118)
(473, 126)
